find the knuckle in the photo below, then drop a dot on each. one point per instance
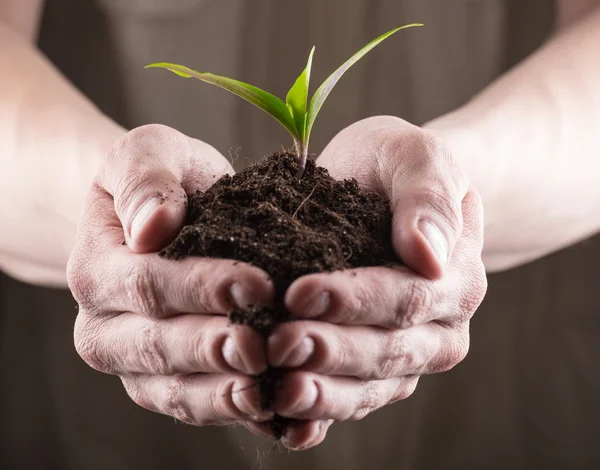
(344, 307)
(405, 389)
(138, 151)
(137, 395)
(336, 358)
(80, 281)
(472, 298)
(381, 122)
(352, 304)
(398, 357)
(142, 290)
(369, 402)
(200, 352)
(151, 350)
(175, 403)
(140, 138)
(151, 131)
(89, 346)
(454, 354)
(395, 134)
(416, 306)
(196, 285)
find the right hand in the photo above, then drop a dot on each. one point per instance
(160, 325)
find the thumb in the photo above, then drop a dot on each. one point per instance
(426, 197)
(415, 171)
(151, 210)
(143, 174)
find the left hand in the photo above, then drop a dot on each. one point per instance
(372, 332)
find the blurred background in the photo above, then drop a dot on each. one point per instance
(526, 396)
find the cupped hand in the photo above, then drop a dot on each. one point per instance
(161, 326)
(371, 333)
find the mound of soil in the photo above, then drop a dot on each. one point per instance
(289, 227)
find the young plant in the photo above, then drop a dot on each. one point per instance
(297, 115)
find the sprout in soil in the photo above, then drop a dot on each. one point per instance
(297, 115)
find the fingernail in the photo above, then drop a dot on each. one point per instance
(436, 240)
(240, 296)
(260, 419)
(316, 306)
(231, 356)
(292, 435)
(143, 214)
(248, 406)
(300, 354)
(307, 401)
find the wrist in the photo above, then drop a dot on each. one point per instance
(474, 150)
(91, 140)
(464, 144)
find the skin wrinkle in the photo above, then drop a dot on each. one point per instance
(556, 90)
(553, 100)
(399, 356)
(151, 349)
(495, 253)
(88, 344)
(175, 405)
(442, 347)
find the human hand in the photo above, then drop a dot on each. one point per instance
(161, 326)
(371, 333)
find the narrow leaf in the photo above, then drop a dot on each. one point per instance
(259, 98)
(325, 89)
(297, 98)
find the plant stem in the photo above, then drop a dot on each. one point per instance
(301, 156)
(298, 148)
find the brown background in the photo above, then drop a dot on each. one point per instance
(526, 396)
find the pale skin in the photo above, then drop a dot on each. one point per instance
(409, 321)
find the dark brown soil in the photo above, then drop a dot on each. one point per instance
(289, 227)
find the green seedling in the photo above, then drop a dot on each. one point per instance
(296, 114)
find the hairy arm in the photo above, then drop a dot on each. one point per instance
(531, 144)
(52, 140)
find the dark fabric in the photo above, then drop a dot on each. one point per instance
(526, 396)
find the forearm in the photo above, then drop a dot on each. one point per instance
(530, 143)
(52, 139)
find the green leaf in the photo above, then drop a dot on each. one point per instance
(297, 98)
(325, 89)
(296, 114)
(259, 98)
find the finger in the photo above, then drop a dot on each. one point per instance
(397, 297)
(424, 185)
(426, 201)
(304, 395)
(304, 435)
(147, 173)
(467, 264)
(380, 296)
(109, 275)
(132, 344)
(260, 429)
(200, 400)
(472, 234)
(365, 352)
(300, 435)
